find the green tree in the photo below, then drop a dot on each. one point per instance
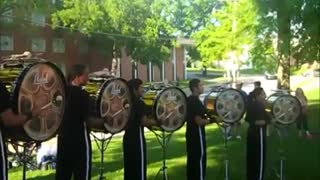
(229, 29)
(295, 22)
(135, 24)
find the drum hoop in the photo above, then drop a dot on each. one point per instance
(99, 98)
(156, 102)
(215, 103)
(17, 86)
(285, 95)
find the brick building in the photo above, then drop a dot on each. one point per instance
(67, 48)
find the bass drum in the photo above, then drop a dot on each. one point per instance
(168, 106)
(37, 86)
(110, 103)
(284, 108)
(227, 103)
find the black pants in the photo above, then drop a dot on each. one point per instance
(3, 159)
(256, 152)
(74, 158)
(134, 155)
(196, 159)
(302, 123)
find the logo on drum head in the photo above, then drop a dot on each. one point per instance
(115, 90)
(172, 98)
(40, 80)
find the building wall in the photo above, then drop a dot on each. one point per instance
(125, 65)
(156, 73)
(142, 72)
(179, 63)
(92, 57)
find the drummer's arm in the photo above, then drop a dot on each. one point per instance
(9, 118)
(201, 121)
(148, 121)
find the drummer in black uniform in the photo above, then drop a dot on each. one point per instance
(74, 144)
(195, 134)
(7, 118)
(257, 118)
(134, 144)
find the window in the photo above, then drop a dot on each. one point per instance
(83, 47)
(38, 45)
(58, 45)
(38, 19)
(6, 43)
(7, 16)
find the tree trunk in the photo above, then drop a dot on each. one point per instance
(204, 71)
(283, 44)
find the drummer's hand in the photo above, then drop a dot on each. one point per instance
(127, 106)
(219, 119)
(260, 123)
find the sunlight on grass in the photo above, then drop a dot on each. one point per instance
(302, 155)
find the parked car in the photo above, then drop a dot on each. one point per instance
(312, 73)
(316, 73)
(270, 76)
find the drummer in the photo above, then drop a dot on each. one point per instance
(74, 144)
(7, 118)
(257, 118)
(195, 133)
(134, 144)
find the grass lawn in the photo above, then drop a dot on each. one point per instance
(302, 155)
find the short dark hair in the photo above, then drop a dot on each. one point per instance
(76, 70)
(257, 83)
(254, 94)
(193, 84)
(134, 84)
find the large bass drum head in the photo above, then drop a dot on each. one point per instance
(230, 104)
(170, 109)
(41, 88)
(285, 109)
(114, 104)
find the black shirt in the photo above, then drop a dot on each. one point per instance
(256, 111)
(194, 132)
(135, 120)
(4, 98)
(77, 112)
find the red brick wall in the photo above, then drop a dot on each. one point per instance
(143, 72)
(156, 73)
(125, 64)
(179, 63)
(168, 71)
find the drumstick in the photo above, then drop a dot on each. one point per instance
(118, 112)
(285, 112)
(227, 114)
(46, 106)
(169, 115)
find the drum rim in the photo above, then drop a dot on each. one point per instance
(280, 96)
(156, 101)
(17, 86)
(215, 104)
(99, 98)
